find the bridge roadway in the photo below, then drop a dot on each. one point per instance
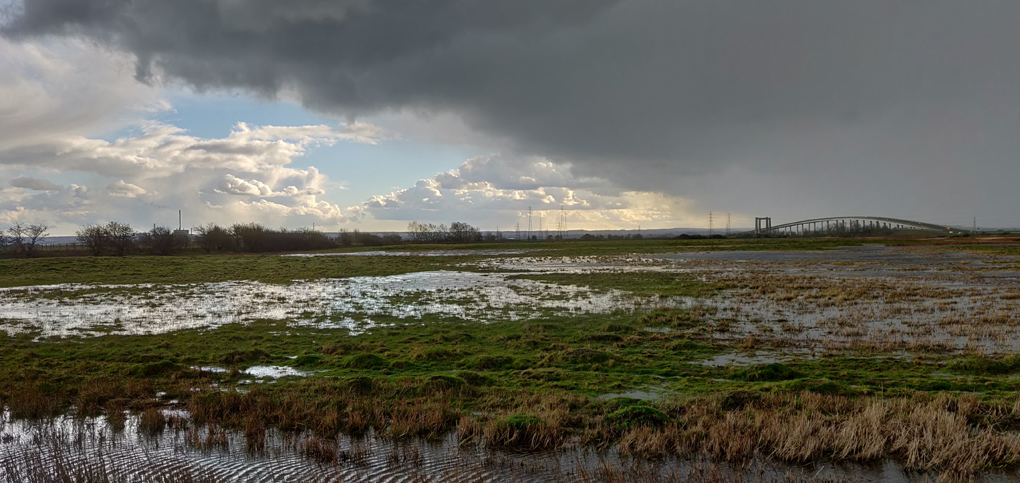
(851, 224)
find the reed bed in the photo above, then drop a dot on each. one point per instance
(954, 436)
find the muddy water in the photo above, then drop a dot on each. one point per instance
(84, 446)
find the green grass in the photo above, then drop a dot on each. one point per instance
(583, 356)
(210, 268)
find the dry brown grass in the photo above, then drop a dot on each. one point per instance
(30, 403)
(856, 304)
(956, 436)
(321, 450)
(207, 438)
(254, 434)
(115, 414)
(152, 421)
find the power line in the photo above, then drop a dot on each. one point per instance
(529, 223)
(563, 224)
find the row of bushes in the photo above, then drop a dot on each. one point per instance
(257, 238)
(457, 232)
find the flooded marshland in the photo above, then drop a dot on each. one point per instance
(864, 363)
(857, 298)
(350, 303)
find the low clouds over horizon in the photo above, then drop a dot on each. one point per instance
(644, 109)
(244, 176)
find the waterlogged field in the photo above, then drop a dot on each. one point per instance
(706, 360)
(355, 303)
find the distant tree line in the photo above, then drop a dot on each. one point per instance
(457, 232)
(119, 239)
(257, 238)
(349, 238)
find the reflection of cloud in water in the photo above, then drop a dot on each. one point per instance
(422, 253)
(274, 372)
(351, 302)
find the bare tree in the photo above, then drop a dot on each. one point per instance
(249, 237)
(16, 237)
(213, 237)
(95, 237)
(461, 232)
(428, 232)
(347, 237)
(162, 240)
(25, 237)
(122, 237)
(418, 231)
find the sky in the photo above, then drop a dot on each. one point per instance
(619, 114)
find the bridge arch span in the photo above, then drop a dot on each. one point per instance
(852, 224)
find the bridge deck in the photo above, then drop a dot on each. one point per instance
(893, 222)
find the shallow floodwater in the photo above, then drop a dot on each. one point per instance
(353, 303)
(868, 298)
(86, 446)
(423, 253)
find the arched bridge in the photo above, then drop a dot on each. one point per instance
(844, 225)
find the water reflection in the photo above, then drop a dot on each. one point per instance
(352, 303)
(82, 447)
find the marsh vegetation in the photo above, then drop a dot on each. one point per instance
(665, 358)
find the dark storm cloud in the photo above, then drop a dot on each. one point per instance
(643, 91)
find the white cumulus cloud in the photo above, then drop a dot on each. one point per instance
(125, 190)
(494, 189)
